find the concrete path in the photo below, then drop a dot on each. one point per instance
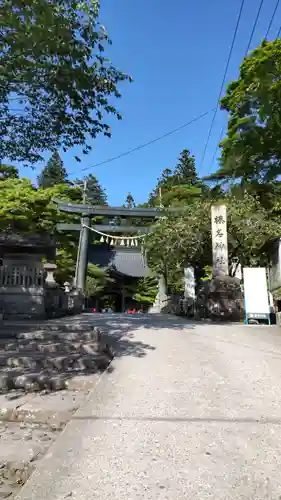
(186, 412)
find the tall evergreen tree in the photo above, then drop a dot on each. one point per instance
(185, 171)
(166, 179)
(130, 202)
(54, 173)
(95, 194)
(164, 183)
(178, 186)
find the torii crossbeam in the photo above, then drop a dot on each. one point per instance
(89, 211)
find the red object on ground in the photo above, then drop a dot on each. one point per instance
(94, 310)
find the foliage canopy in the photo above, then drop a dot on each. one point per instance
(251, 150)
(56, 84)
(188, 237)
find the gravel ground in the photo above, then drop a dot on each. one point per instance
(186, 412)
(22, 445)
(29, 424)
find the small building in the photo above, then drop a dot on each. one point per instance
(126, 266)
(27, 286)
(22, 276)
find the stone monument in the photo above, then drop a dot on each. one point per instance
(220, 298)
(219, 239)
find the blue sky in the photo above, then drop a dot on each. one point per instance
(176, 53)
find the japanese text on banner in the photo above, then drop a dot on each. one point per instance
(219, 239)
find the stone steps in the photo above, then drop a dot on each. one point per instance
(46, 372)
(47, 330)
(47, 358)
(33, 360)
(46, 346)
(93, 334)
(30, 380)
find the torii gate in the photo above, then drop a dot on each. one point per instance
(87, 212)
(220, 261)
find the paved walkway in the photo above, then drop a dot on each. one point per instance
(187, 412)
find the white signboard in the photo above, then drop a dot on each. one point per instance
(189, 283)
(255, 293)
(219, 239)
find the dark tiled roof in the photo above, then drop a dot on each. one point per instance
(27, 241)
(125, 261)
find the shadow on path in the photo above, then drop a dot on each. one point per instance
(46, 354)
(119, 330)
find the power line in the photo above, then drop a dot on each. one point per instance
(217, 146)
(246, 52)
(141, 146)
(248, 46)
(254, 27)
(272, 18)
(223, 82)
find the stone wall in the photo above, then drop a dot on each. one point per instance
(21, 291)
(28, 292)
(218, 299)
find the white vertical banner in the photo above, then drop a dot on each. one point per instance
(189, 283)
(219, 239)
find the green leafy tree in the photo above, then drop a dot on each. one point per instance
(56, 83)
(54, 172)
(180, 195)
(96, 281)
(164, 183)
(251, 150)
(28, 210)
(166, 179)
(189, 247)
(94, 192)
(8, 172)
(188, 237)
(267, 193)
(146, 290)
(23, 206)
(142, 290)
(66, 253)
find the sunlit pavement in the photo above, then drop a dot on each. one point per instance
(186, 411)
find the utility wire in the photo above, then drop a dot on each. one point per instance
(141, 146)
(254, 27)
(223, 82)
(217, 146)
(272, 18)
(246, 52)
(248, 46)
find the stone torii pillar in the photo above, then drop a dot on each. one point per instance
(82, 254)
